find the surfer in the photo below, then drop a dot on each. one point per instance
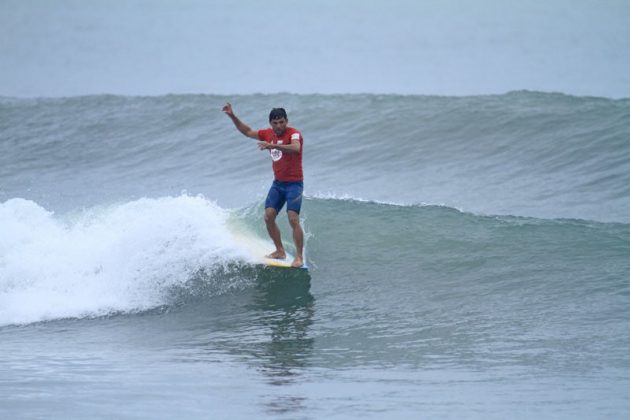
(285, 148)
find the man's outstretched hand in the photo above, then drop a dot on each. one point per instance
(227, 108)
(262, 145)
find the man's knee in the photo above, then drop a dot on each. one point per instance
(294, 219)
(270, 215)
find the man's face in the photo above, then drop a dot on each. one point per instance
(279, 125)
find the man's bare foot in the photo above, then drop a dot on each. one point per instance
(277, 255)
(297, 262)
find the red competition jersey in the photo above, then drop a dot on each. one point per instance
(286, 166)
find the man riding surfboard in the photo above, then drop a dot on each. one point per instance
(285, 148)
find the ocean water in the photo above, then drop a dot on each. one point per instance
(469, 258)
(467, 196)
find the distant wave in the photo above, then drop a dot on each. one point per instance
(544, 155)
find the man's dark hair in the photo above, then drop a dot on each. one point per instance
(278, 113)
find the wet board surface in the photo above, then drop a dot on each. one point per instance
(257, 248)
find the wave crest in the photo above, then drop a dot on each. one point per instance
(124, 257)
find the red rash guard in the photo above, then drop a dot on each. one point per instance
(287, 167)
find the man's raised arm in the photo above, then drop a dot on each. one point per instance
(240, 125)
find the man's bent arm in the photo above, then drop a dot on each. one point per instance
(240, 125)
(293, 147)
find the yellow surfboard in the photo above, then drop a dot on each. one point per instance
(256, 248)
(285, 263)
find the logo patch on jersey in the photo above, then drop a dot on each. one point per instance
(276, 154)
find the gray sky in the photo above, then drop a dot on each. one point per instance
(152, 47)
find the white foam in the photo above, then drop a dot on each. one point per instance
(120, 258)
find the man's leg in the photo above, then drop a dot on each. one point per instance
(274, 233)
(274, 202)
(298, 238)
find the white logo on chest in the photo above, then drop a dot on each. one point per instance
(276, 154)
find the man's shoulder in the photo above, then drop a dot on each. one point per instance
(293, 132)
(265, 133)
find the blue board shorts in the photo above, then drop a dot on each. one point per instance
(285, 192)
